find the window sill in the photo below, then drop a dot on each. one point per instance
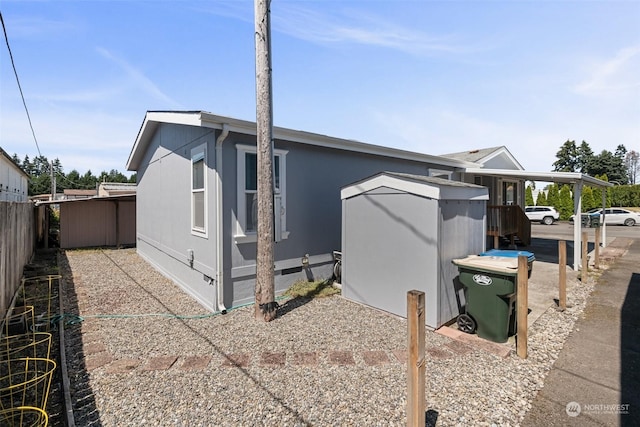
(253, 237)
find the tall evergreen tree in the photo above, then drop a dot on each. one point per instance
(565, 202)
(567, 158)
(584, 157)
(541, 200)
(588, 200)
(610, 165)
(553, 198)
(528, 196)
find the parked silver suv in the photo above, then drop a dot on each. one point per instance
(545, 214)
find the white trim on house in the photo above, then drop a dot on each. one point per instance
(440, 173)
(241, 235)
(502, 151)
(433, 188)
(199, 153)
(208, 120)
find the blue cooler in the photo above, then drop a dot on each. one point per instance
(504, 253)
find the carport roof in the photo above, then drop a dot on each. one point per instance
(560, 177)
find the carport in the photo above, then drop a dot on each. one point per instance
(576, 179)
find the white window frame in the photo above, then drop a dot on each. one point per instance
(199, 153)
(440, 173)
(240, 235)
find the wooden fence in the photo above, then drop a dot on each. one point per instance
(17, 243)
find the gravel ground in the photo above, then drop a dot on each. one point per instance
(324, 362)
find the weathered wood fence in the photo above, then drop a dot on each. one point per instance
(17, 244)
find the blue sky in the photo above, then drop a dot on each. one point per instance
(428, 76)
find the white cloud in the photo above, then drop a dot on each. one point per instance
(34, 27)
(614, 75)
(317, 27)
(138, 77)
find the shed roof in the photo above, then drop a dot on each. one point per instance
(115, 198)
(420, 185)
(204, 119)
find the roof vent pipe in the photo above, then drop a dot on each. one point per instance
(220, 221)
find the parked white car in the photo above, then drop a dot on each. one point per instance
(545, 214)
(614, 216)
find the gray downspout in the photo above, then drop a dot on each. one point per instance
(220, 221)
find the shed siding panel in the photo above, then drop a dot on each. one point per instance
(390, 249)
(461, 234)
(85, 224)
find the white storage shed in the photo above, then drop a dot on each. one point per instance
(400, 232)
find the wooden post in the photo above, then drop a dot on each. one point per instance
(416, 363)
(522, 307)
(265, 306)
(596, 260)
(585, 260)
(562, 274)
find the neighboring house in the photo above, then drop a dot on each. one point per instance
(502, 190)
(505, 178)
(106, 189)
(14, 182)
(196, 194)
(72, 194)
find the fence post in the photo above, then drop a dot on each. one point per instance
(416, 363)
(522, 308)
(562, 274)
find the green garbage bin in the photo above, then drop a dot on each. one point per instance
(490, 285)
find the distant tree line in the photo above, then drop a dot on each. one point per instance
(39, 171)
(619, 168)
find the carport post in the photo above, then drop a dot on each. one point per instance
(416, 366)
(585, 259)
(522, 308)
(596, 260)
(562, 274)
(577, 223)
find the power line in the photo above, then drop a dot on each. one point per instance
(15, 72)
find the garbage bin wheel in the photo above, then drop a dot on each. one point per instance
(466, 324)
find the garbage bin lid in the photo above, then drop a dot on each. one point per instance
(509, 254)
(491, 264)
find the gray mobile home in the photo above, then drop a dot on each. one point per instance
(196, 199)
(401, 232)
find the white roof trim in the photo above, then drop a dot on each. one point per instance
(204, 119)
(562, 177)
(424, 189)
(502, 150)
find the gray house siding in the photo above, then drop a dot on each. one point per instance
(164, 235)
(317, 167)
(315, 176)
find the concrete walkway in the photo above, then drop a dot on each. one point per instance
(596, 379)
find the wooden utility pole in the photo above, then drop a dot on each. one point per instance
(265, 305)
